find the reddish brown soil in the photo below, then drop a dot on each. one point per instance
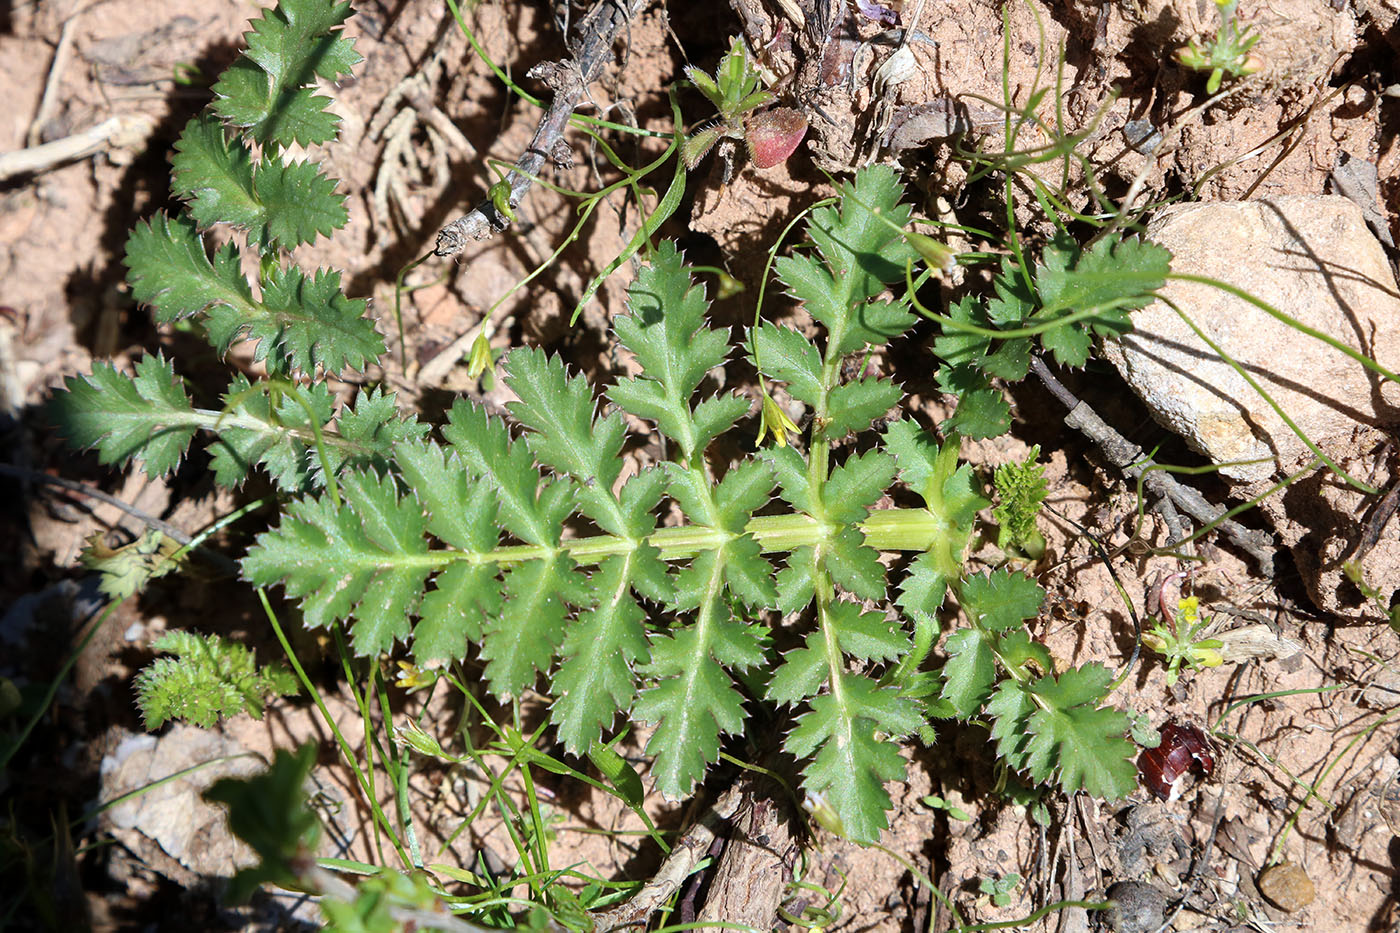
(61, 236)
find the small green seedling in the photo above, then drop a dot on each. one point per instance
(1021, 489)
(955, 812)
(999, 889)
(772, 134)
(1178, 640)
(208, 679)
(1227, 52)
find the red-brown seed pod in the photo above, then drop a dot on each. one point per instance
(774, 134)
(1184, 750)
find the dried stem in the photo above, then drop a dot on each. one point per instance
(1129, 458)
(692, 847)
(569, 80)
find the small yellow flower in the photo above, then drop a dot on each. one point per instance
(774, 421)
(939, 257)
(728, 286)
(480, 359)
(413, 677)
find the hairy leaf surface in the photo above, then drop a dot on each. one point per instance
(147, 418)
(289, 47)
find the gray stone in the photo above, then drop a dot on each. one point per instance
(1311, 257)
(1137, 907)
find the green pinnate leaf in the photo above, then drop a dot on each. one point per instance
(360, 561)
(289, 47)
(802, 672)
(1010, 708)
(279, 438)
(850, 763)
(859, 253)
(744, 489)
(170, 271)
(868, 636)
(853, 406)
(278, 203)
(789, 357)
(749, 576)
(857, 484)
(306, 323)
(691, 702)
(1115, 276)
(959, 347)
(982, 411)
(969, 675)
(461, 510)
(1000, 600)
(1076, 741)
(560, 411)
(794, 483)
(715, 415)
(531, 510)
(796, 581)
(300, 203)
(854, 566)
(1070, 346)
(215, 175)
(665, 330)
(595, 680)
(368, 431)
(916, 454)
(924, 587)
(692, 699)
(147, 418)
(455, 611)
(567, 437)
(520, 643)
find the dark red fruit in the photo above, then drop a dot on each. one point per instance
(774, 134)
(1184, 750)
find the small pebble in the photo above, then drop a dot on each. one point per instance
(1287, 887)
(1142, 135)
(1139, 908)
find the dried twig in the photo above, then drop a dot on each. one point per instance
(1129, 458)
(678, 865)
(151, 521)
(569, 80)
(125, 131)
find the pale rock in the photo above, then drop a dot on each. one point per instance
(1313, 258)
(166, 778)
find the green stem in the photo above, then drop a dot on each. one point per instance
(884, 530)
(331, 723)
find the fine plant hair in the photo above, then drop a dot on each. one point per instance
(525, 547)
